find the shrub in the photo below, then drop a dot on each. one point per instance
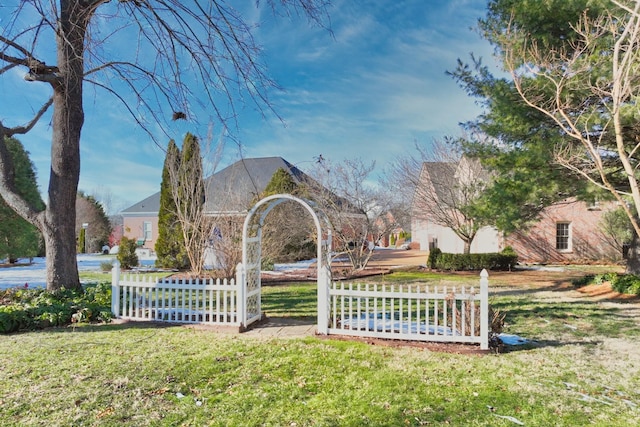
(490, 261)
(434, 254)
(626, 283)
(127, 253)
(106, 266)
(27, 309)
(584, 280)
(266, 264)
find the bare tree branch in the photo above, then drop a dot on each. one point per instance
(585, 121)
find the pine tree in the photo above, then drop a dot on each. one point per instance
(18, 238)
(169, 247)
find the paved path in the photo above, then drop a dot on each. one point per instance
(282, 327)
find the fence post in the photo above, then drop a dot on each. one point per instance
(484, 310)
(241, 302)
(115, 289)
(324, 279)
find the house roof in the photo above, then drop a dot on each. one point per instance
(442, 176)
(233, 189)
(146, 207)
(238, 186)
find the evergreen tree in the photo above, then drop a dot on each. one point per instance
(281, 183)
(170, 249)
(127, 253)
(526, 177)
(82, 242)
(18, 238)
(90, 211)
(287, 235)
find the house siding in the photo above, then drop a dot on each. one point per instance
(487, 239)
(134, 229)
(537, 244)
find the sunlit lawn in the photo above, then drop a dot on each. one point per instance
(584, 370)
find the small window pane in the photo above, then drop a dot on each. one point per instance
(147, 230)
(562, 236)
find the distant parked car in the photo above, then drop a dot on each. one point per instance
(405, 246)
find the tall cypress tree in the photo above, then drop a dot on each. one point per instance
(170, 247)
(18, 238)
(190, 176)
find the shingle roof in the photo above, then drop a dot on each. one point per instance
(442, 177)
(233, 189)
(148, 207)
(237, 187)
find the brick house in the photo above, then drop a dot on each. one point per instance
(568, 231)
(229, 193)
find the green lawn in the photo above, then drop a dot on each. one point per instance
(585, 370)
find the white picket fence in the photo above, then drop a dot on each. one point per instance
(208, 301)
(407, 312)
(411, 312)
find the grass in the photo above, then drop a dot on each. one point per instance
(290, 300)
(136, 374)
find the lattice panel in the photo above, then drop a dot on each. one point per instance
(253, 252)
(253, 306)
(253, 279)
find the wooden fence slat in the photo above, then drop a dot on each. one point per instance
(413, 312)
(181, 300)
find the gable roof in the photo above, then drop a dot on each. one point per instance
(441, 176)
(146, 207)
(233, 189)
(236, 187)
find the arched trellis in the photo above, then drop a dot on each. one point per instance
(250, 298)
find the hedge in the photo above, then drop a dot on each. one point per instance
(504, 260)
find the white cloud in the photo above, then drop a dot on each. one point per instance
(369, 90)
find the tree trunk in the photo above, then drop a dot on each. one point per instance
(58, 223)
(467, 246)
(633, 256)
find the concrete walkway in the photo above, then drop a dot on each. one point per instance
(282, 327)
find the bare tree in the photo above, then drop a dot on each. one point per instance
(176, 44)
(443, 188)
(361, 214)
(590, 90)
(188, 190)
(225, 243)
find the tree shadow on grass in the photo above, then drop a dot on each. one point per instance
(582, 322)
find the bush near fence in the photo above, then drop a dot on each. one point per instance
(25, 309)
(505, 260)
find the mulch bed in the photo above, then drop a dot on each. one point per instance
(604, 292)
(437, 347)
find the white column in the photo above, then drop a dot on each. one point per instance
(115, 289)
(484, 310)
(241, 302)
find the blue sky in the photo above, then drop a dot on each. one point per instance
(368, 90)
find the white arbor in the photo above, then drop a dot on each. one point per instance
(250, 298)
